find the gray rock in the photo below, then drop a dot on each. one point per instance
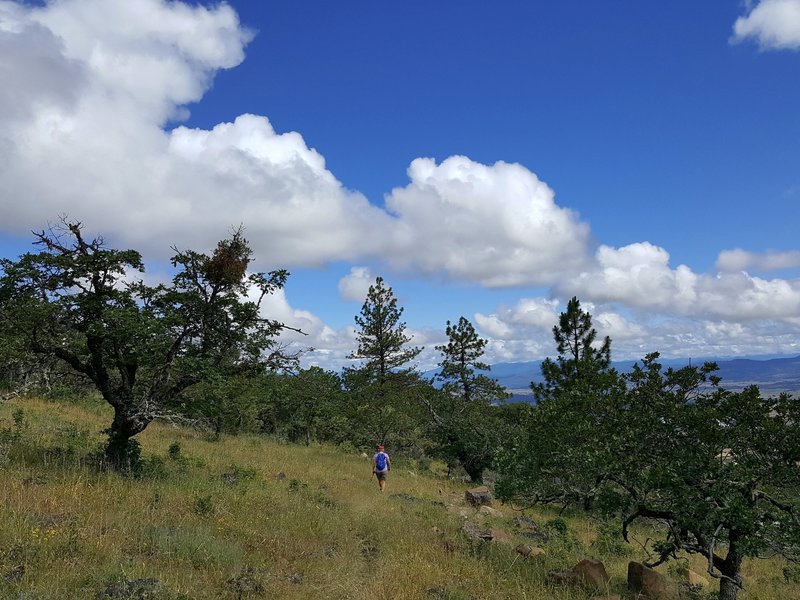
(479, 496)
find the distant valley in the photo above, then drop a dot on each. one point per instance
(771, 375)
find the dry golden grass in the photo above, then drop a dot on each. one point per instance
(247, 517)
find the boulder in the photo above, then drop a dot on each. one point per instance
(459, 510)
(563, 577)
(479, 496)
(592, 573)
(489, 511)
(649, 582)
(696, 580)
(528, 551)
(476, 533)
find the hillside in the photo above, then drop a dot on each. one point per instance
(249, 517)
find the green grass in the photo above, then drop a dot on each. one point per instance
(249, 517)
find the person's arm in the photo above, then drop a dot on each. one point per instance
(388, 463)
(374, 466)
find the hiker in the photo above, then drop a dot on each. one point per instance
(381, 465)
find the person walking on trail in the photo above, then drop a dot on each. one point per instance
(381, 465)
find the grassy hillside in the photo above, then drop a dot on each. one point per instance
(247, 517)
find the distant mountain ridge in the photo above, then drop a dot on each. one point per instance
(771, 375)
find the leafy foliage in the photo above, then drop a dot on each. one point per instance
(141, 346)
(717, 471)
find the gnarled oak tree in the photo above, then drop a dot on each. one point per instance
(140, 345)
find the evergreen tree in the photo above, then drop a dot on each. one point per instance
(382, 337)
(383, 388)
(579, 364)
(464, 421)
(560, 435)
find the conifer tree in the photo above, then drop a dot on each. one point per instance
(382, 338)
(384, 387)
(464, 421)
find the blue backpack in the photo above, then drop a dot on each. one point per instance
(380, 461)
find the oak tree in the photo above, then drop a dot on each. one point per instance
(140, 345)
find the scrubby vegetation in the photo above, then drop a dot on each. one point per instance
(251, 517)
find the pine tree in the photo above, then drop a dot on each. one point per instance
(383, 336)
(384, 387)
(464, 420)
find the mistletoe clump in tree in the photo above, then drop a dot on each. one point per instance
(140, 345)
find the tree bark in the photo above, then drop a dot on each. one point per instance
(731, 583)
(122, 451)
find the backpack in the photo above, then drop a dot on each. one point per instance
(380, 461)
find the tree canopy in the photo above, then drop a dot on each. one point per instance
(140, 345)
(716, 471)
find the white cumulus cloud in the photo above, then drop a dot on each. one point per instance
(498, 225)
(355, 285)
(741, 260)
(775, 24)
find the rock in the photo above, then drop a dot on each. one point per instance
(134, 589)
(246, 582)
(499, 535)
(474, 532)
(528, 551)
(280, 476)
(489, 511)
(696, 580)
(479, 496)
(592, 573)
(229, 479)
(649, 582)
(529, 529)
(458, 510)
(525, 522)
(563, 577)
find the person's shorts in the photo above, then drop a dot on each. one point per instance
(381, 475)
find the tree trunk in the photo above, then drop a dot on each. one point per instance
(731, 583)
(122, 453)
(475, 472)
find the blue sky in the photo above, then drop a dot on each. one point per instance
(489, 160)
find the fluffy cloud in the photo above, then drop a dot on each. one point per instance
(775, 24)
(355, 285)
(95, 84)
(83, 134)
(639, 276)
(741, 260)
(498, 224)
